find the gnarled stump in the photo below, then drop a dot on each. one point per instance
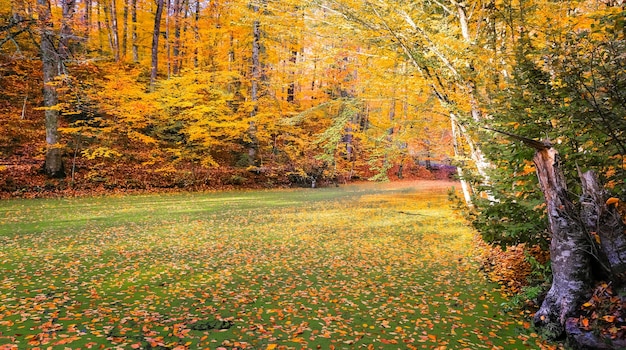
(569, 248)
(580, 237)
(606, 226)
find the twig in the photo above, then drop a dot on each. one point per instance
(407, 213)
(538, 145)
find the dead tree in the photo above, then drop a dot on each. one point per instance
(583, 235)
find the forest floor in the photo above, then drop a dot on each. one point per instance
(368, 266)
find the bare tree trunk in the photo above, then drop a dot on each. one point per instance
(291, 89)
(579, 237)
(465, 187)
(124, 29)
(66, 30)
(53, 165)
(107, 24)
(196, 34)
(133, 16)
(177, 44)
(569, 248)
(155, 43)
(115, 34)
(99, 26)
(253, 141)
(605, 229)
(87, 19)
(168, 46)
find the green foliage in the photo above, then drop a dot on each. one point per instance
(528, 295)
(337, 138)
(510, 222)
(566, 92)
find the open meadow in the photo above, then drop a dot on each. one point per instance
(370, 266)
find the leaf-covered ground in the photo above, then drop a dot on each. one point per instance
(367, 266)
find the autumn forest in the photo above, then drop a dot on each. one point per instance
(520, 104)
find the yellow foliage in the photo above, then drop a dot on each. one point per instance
(100, 152)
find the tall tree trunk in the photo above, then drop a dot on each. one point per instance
(168, 46)
(115, 34)
(133, 16)
(68, 8)
(107, 24)
(196, 34)
(155, 43)
(253, 141)
(291, 89)
(99, 26)
(53, 165)
(177, 44)
(87, 19)
(465, 187)
(124, 29)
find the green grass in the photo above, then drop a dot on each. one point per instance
(368, 266)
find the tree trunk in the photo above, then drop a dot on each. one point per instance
(581, 238)
(605, 229)
(291, 89)
(66, 29)
(115, 34)
(155, 43)
(196, 34)
(53, 165)
(176, 49)
(124, 29)
(465, 186)
(253, 142)
(87, 19)
(569, 247)
(133, 19)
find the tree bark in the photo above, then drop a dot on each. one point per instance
(124, 29)
(53, 164)
(196, 34)
(605, 229)
(133, 16)
(155, 43)
(115, 33)
(253, 142)
(569, 247)
(176, 48)
(68, 9)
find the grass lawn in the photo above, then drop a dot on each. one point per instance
(374, 266)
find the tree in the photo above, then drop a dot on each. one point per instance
(52, 61)
(155, 43)
(256, 75)
(565, 91)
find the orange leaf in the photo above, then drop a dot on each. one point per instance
(609, 318)
(585, 322)
(612, 200)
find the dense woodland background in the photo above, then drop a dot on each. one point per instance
(135, 94)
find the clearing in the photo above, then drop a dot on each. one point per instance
(374, 266)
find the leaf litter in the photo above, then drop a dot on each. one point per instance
(330, 269)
